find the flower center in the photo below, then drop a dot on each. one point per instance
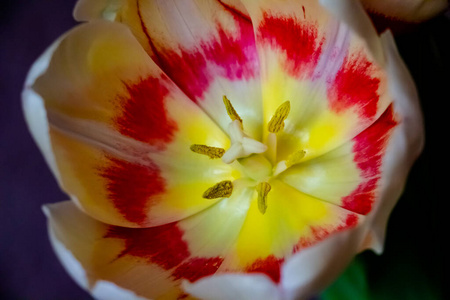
(255, 159)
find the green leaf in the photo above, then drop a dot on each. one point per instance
(352, 284)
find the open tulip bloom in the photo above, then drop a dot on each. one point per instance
(221, 149)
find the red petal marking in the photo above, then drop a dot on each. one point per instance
(130, 187)
(350, 221)
(143, 116)
(234, 11)
(298, 39)
(369, 147)
(354, 86)
(320, 233)
(197, 267)
(234, 56)
(271, 266)
(162, 245)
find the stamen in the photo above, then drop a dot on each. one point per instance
(277, 122)
(212, 152)
(263, 189)
(295, 158)
(231, 111)
(222, 189)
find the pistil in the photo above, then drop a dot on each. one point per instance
(241, 144)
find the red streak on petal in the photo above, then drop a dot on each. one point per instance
(143, 116)
(320, 233)
(232, 56)
(271, 266)
(197, 267)
(162, 245)
(130, 187)
(355, 86)
(243, 15)
(350, 221)
(369, 148)
(298, 39)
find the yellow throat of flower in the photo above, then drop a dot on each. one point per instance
(253, 157)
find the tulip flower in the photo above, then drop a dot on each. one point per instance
(221, 149)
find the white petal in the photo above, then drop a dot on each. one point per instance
(233, 287)
(105, 290)
(352, 13)
(95, 261)
(34, 109)
(406, 144)
(316, 267)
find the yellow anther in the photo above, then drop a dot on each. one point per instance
(295, 158)
(277, 122)
(212, 152)
(230, 110)
(263, 189)
(222, 189)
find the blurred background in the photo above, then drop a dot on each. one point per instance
(412, 266)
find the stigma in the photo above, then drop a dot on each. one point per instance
(241, 144)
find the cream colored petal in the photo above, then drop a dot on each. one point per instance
(335, 86)
(207, 48)
(352, 13)
(406, 144)
(233, 287)
(96, 99)
(96, 262)
(34, 108)
(406, 10)
(105, 290)
(316, 267)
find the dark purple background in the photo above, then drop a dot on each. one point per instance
(28, 267)
(414, 258)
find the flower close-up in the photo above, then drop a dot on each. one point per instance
(221, 149)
